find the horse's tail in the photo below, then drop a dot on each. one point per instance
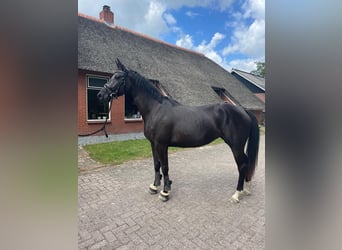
(252, 146)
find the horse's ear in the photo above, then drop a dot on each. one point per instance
(120, 65)
(117, 61)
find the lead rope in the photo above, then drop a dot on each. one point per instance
(104, 124)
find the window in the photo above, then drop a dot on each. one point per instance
(160, 88)
(131, 110)
(221, 92)
(96, 111)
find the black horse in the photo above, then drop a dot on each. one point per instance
(169, 123)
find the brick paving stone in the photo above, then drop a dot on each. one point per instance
(123, 237)
(98, 245)
(109, 227)
(132, 229)
(97, 236)
(117, 212)
(114, 245)
(120, 228)
(85, 244)
(109, 236)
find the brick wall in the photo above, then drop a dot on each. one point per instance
(117, 125)
(258, 115)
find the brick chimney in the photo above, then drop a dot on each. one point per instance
(106, 15)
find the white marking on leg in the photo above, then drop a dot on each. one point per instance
(164, 194)
(236, 196)
(153, 187)
(247, 188)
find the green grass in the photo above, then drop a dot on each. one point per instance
(118, 152)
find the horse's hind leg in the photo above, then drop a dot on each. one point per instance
(161, 151)
(241, 160)
(153, 189)
(247, 187)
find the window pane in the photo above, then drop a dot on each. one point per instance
(96, 109)
(131, 110)
(97, 82)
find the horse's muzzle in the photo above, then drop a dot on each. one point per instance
(100, 96)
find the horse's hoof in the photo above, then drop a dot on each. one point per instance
(247, 188)
(246, 192)
(235, 197)
(234, 200)
(163, 196)
(152, 189)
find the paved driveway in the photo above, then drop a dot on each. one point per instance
(117, 212)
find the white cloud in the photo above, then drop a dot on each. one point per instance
(169, 19)
(190, 13)
(185, 42)
(155, 11)
(243, 64)
(213, 55)
(208, 49)
(248, 39)
(216, 39)
(218, 4)
(254, 9)
(153, 23)
(224, 4)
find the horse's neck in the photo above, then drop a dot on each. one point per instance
(145, 103)
(143, 96)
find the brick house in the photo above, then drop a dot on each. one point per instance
(187, 76)
(254, 83)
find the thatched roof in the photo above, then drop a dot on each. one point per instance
(187, 75)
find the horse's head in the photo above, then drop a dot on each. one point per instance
(116, 85)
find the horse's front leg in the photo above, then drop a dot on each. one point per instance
(153, 189)
(164, 194)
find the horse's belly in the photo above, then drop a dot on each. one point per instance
(193, 136)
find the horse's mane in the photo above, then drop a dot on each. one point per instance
(146, 85)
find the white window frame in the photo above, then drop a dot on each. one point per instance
(95, 88)
(230, 100)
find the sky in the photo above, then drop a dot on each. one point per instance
(229, 32)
